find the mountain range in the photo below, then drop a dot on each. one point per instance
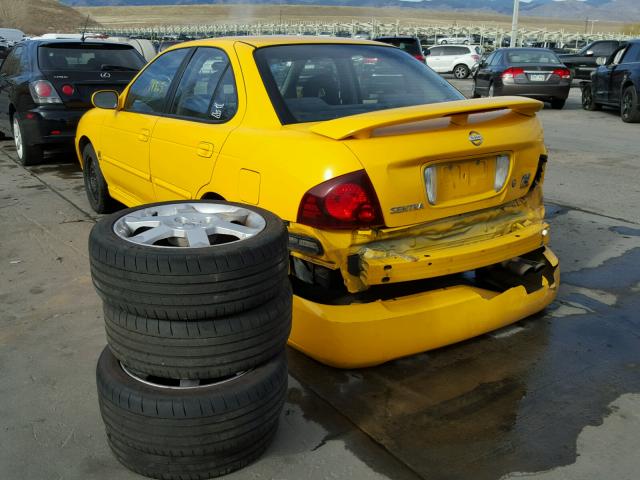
(622, 10)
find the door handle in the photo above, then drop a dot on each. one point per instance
(143, 136)
(205, 149)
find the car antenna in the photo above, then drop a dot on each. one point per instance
(84, 29)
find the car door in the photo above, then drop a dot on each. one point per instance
(9, 73)
(126, 132)
(483, 74)
(624, 61)
(434, 59)
(186, 142)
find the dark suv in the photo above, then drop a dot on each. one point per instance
(616, 84)
(46, 86)
(584, 62)
(411, 45)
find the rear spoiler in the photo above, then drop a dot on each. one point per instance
(361, 125)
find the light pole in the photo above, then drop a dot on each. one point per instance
(514, 23)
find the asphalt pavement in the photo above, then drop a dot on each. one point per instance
(555, 396)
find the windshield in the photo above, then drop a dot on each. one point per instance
(310, 83)
(532, 56)
(87, 57)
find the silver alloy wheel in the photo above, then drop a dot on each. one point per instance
(461, 72)
(183, 383)
(492, 91)
(17, 138)
(190, 225)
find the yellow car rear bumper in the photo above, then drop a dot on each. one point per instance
(362, 335)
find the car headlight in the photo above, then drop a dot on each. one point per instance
(502, 171)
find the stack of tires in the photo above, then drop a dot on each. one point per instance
(197, 310)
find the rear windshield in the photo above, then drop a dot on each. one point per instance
(310, 83)
(409, 45)
(87, 57)
(531, 56)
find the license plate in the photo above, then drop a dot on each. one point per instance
(537, 77)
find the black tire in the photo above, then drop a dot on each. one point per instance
(558, 103)
(200, 349)
(94, 183)
(27, 154)
(174, 283)
(461, 71)
(588, 102)
(629, 108)
(186, 433)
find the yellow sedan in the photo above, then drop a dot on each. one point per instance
(415, 216)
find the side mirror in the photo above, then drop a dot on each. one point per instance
(601, 60)
(588, 53)
(106, 99)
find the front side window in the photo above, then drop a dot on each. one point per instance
(632, 54)
(148, 94)
(310, 83)
(207, 89)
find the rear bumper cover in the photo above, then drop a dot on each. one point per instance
(362, 335)
(537, 91)
(43, 128)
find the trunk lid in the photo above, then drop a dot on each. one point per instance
(458, 143)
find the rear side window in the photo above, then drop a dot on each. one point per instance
(11, 66)
(149, 92)
(88, 57)
(451, 51)
(207, 90)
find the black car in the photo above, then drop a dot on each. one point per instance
(584, 62)
(411, 45)
(46, 86)
(530, 72)
(616, 84)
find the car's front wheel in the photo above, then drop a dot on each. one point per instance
(27, 154)
(94, 182)
(629, 110)
(461, 71)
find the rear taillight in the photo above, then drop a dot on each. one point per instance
(512, 72)
(348, 201)
(562, 73)
(476, 58)
(417, 56)
(43, 92)
(67, 90)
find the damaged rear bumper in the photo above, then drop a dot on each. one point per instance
(367, 334)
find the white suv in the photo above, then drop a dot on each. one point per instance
(456, 59)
